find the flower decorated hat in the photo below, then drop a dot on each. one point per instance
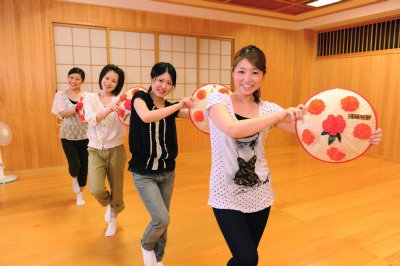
(337, 126)
(79, 108)
(125, 104)
(200, 96)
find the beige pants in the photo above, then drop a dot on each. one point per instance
(108, 163)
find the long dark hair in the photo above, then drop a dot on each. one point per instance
(77, 70)
(121, 77)
(257, 58)
(161, 68)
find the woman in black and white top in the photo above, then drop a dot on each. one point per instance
(240, 182)
(154, 148)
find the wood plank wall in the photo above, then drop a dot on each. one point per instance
(27, 76)
(376, 78)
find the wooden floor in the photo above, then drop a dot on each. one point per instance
(325, 214)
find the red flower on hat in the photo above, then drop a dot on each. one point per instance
(224, 90)
(307, 137)
(316, 107)
(121, 113)
(79, 106)
(333, 126)
(128, 105)
(198, 116)
(79, 109)
(362, 131)
(334, 154)
(201, 94)
(350, 103)
(122, 97)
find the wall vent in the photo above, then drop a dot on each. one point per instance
(377, 36)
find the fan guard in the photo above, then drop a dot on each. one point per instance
(5, 139)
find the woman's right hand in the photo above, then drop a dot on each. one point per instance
(292, 113)
(113, 107)
(186, 102)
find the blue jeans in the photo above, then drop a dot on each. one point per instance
(155, 192)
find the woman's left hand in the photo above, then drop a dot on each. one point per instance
(376, 136)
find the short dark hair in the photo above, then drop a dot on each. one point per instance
(257, 58)
(77, 70)
(121, 77)
(161, 68)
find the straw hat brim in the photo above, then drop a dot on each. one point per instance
(200, 97)
(124, 114)
(337, 125)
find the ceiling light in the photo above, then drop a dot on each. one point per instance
(320, 3)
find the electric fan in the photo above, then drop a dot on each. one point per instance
(5, 139)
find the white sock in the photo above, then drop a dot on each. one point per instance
(75, 185)
(107, 215)
(112, 227)
(149, 257)
(159, 263)
(79, 199)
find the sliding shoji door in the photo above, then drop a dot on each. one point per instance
(181, 51)
(81, 47)
(134, 52)
(215, 61)
(197, 60)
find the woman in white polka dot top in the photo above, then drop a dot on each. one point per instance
(240, 185)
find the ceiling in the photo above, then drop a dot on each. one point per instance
(292, 10)
(295, 7)
(287, 14)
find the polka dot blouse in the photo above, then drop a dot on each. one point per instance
(240, 178)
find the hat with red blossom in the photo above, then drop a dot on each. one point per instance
(337, 126)
(125, 104)
(200, 96)
(79, 108)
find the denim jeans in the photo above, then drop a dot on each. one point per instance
(155, 192)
